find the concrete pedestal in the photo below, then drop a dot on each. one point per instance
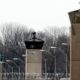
(33, 61)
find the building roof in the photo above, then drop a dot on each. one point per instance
(74, 16)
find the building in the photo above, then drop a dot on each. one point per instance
(75, 44)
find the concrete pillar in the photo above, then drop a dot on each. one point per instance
(75, 44)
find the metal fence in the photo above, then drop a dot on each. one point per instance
(27, 76)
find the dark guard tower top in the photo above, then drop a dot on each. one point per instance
(34, 43)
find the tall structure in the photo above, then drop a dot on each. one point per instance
(33, 55)
(75, 44)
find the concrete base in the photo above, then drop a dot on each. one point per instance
(33, 61)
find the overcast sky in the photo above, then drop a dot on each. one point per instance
(37, 14)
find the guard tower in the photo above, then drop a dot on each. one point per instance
(33, 55)
(75, 44)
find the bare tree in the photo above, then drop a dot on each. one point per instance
(14, 36)
(54, 37)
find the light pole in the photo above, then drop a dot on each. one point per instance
(15, 59)
(45, 65)
(53, 47)
(45, 60)
(7, 61)
(15, 64)
(23, 55)
(18, 59)
(66, 44)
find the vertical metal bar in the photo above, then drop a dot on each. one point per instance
(12, 73)
(66, 67)
(45, 70)
(19, 73)
(55, 66)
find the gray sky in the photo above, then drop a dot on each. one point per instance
(37, 14)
